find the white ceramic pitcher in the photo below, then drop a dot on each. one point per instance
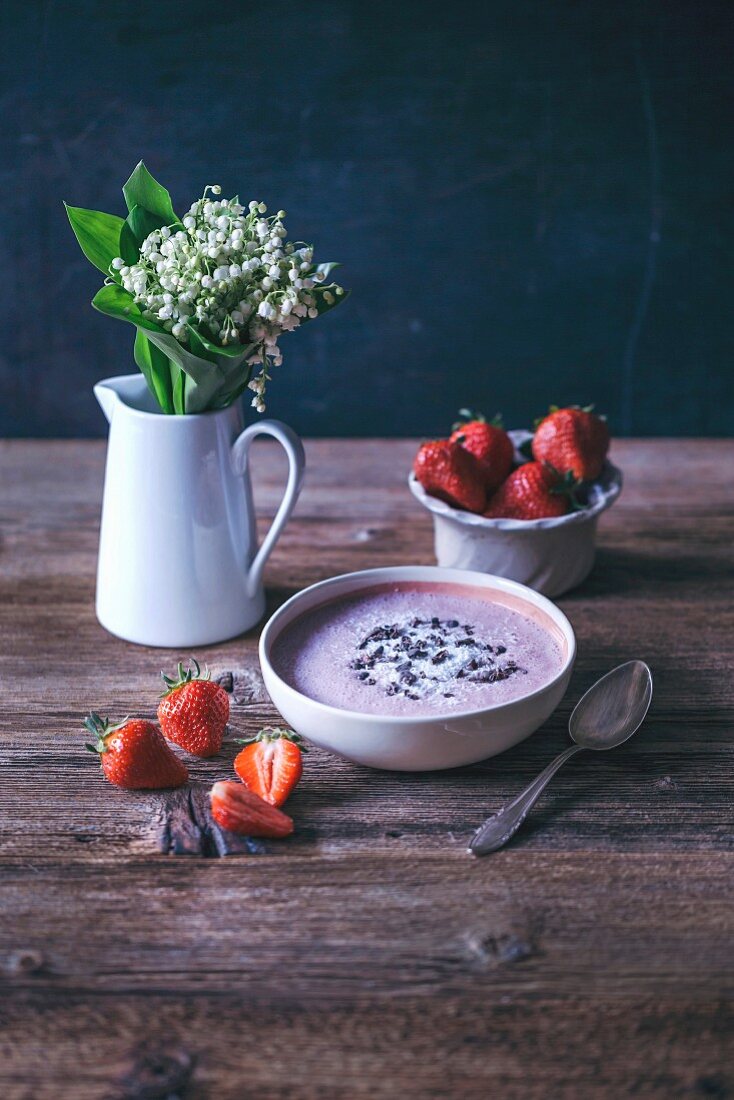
(179, 564)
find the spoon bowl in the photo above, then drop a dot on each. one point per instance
(610, 712)
(613, 708)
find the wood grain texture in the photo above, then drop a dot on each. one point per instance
(369, 955)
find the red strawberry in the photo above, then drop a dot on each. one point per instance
(271, 764)
(488, 442)
(133, 754)
(446, 470)
(532, 491)
(194, 712)
(238, 809)
(572, 439)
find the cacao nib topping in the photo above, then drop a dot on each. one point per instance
(420, 657)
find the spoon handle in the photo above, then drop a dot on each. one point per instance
(497, 829)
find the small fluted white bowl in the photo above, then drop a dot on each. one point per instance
(426, 742)
(549, 555)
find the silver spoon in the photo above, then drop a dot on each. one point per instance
(610, 712)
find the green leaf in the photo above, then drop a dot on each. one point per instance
(98, 235)
(129, 247)
(142, 223)
(115, 301)
(321, 304)
(197, 345)
(232, 351)
(155, 367)
(229, 396)
(138, 225)
(178, 382)
(144, 191)
(205, 381)
(236, 376)
(327, 268)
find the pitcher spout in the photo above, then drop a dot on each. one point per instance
(107, 394)
(124, 389)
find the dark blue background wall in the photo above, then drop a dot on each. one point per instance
(532, 200)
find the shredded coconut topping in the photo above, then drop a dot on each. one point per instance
(420, 658)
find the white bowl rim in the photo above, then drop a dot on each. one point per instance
(606, 499)
(420, 573)
(608, 486)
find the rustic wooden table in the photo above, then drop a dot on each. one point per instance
(370, 956)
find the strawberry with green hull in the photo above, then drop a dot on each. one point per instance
(194, 712)
(240, 810)
(448, 471)
(533, 491)
(271, 764)
(134, 755)
(488, 442)
(572, 439)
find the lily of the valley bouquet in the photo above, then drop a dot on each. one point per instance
(210, 294)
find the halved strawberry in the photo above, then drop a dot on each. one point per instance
(238, 809)
(271, 764)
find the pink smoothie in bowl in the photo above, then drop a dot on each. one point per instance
(410, 649)
(415, 668)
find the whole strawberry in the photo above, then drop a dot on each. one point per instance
(532, 491)
(488, 442)
(134, 755)
(240, 810)
(572, 439)
(193, 712)
(447, 471)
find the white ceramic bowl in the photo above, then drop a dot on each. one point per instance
(431, 741)
(550, 555)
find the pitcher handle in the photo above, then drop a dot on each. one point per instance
(293, 447)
